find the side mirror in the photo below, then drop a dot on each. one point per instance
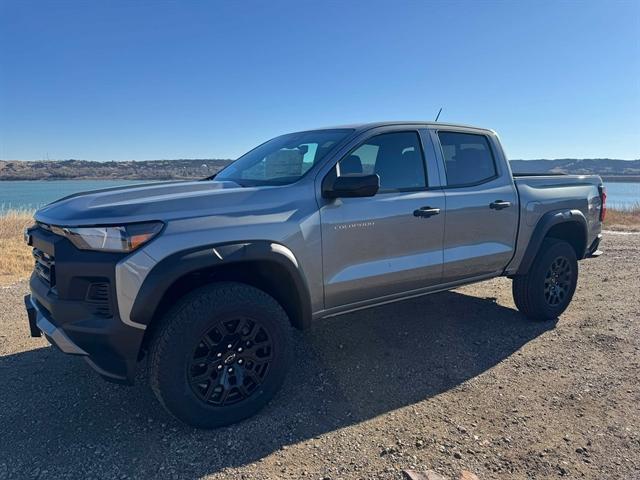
(354, 185)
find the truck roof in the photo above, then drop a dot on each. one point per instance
(370, 125)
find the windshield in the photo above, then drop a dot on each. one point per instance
(283, 159)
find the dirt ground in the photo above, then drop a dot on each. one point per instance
(452, 381)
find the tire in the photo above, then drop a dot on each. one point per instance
(193, 372)
(547, 289)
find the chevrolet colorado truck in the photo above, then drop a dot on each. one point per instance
(206, 279)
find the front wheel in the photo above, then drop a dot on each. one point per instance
(547, 289)
(220, 354)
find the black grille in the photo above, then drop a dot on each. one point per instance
(45, 267)
(98, 294)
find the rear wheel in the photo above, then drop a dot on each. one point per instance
(547, 289)
(220, 354)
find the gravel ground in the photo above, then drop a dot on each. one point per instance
(452, 381)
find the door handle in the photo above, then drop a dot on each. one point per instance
(426, 212)
(499, 205)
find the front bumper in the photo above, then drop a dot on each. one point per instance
(77, 311)
(109, 346)
(40, 324)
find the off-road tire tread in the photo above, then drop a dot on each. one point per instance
(523, 285)
(207, 299)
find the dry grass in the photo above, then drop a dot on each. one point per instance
(16, 261)
(624, 220)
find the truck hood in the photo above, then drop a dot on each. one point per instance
(153, 201)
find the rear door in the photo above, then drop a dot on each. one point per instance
(482, 205)
(384, 245)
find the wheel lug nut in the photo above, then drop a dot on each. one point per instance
(230, 370)
(219, 367)
(229, 346)
(240, 362)
(239, 349)
(219, 355)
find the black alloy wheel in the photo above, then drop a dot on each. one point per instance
(230, 362)
(557, 281)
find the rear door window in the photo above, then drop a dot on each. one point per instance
(468, 158)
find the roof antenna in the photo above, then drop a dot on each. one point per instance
(438, 116)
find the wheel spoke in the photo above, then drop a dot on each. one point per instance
(253, 357)
(209, 391)
(207, 341)
(244, 390)
(201, 377)
(224, 395)
(253, 375)
(201, 358)
(247, 329)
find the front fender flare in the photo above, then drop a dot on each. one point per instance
(169, 270)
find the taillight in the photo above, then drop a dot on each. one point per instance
(603, 202)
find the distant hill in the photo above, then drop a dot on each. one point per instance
(198, 168)
(605, 167)
(130, 170)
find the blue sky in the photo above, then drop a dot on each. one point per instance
(147, 80)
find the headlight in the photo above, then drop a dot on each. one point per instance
(124, 238)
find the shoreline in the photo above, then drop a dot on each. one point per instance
(621, 178)
(162, 178)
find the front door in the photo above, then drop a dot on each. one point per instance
(392, 242)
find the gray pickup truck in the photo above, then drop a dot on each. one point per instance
(205, 279)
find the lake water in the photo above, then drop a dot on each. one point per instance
(33, 194)
(623, 195)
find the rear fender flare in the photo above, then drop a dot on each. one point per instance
(546, 222)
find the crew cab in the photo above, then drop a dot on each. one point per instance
(205, 280)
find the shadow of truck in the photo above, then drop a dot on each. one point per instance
(56, 414)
